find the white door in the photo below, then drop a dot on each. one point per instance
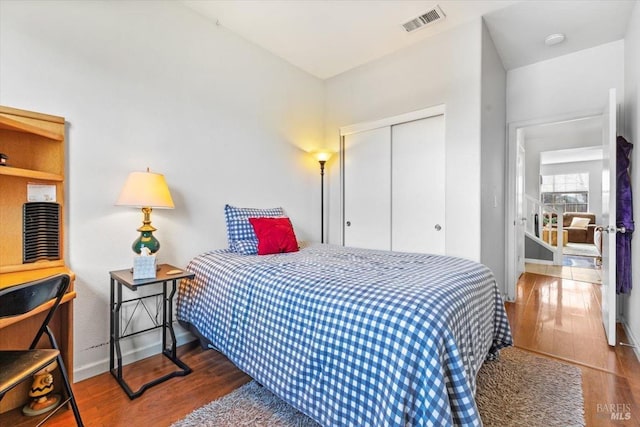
(417, 186)
(609, 219)
(367, 189)
(520, 221)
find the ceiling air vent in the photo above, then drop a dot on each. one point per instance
(434, 15)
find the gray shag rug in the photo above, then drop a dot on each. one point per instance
(519, 389)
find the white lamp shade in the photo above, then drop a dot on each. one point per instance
(322, 156)
(145, 190)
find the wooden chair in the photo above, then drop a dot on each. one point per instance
(19, 365)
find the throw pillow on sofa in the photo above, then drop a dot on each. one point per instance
(579, 222)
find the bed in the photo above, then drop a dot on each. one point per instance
(352, 336)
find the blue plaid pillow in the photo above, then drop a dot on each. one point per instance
(240, 229)
(245, 247)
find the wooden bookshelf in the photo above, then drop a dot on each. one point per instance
(35, 146)
(30, 173)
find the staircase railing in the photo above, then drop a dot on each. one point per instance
(544, 223)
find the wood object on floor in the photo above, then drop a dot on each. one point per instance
(554, 236)
(34, 144)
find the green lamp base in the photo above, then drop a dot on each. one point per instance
(146, 240)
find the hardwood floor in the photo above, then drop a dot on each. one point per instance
(552, 316)
(104, 404)
(561, 318)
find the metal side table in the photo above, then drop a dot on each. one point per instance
(125, 277)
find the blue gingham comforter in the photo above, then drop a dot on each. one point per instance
(352, 336)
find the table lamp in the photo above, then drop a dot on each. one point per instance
(146, 190)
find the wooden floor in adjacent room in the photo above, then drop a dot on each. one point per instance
(561, 318)
(552, 316)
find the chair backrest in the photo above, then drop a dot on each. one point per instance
(21, 299)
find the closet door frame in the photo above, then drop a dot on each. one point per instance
(437, 110)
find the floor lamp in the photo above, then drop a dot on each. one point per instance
(322, 157)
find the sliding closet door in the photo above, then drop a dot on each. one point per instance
(367, 189)
(418, 192)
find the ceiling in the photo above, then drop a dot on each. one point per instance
(583, 154)
(329, 37)
(585, 127)
(519, 31)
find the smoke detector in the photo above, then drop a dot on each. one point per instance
(431, 17)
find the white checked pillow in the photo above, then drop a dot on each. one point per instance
(240, 232)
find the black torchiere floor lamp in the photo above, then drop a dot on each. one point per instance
(322, 157)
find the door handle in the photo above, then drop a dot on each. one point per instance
(348, 223)
(612, 229)
(438, 227)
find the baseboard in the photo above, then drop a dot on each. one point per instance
(633, 340)
(92, 369)
(537, 261)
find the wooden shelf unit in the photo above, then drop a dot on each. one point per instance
(29, 173)
(34, 143)
(35, 146)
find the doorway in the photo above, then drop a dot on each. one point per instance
(570, 180)
(608, 216)
(544, 157)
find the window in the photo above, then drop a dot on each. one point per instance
(571, 191)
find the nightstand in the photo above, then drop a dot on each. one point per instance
(121, 278)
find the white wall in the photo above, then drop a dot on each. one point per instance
(593, 168)
(153, 84)
(444, 69)
(574, 83)
(534, 146)
(493, 123)
(631, 131)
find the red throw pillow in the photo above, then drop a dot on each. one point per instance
(275, 235)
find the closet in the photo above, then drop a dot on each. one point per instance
(393, 183)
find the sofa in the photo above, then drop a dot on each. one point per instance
(578, 234)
